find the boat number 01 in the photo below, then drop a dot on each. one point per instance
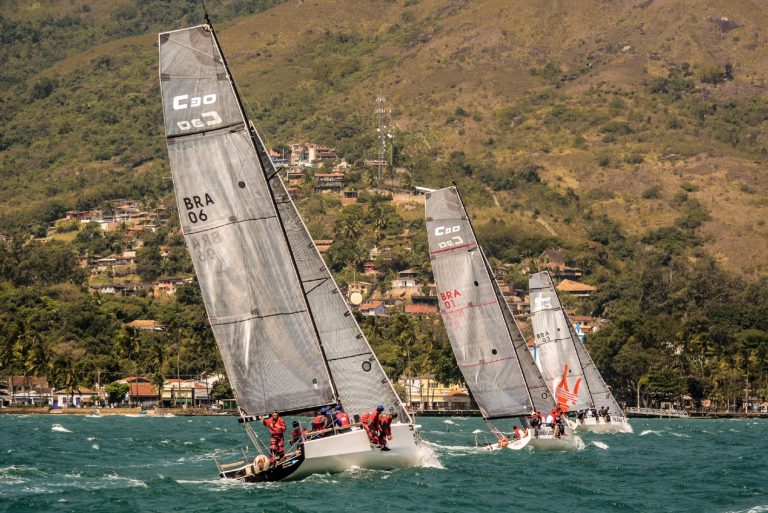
(447, 230)
(209, 118)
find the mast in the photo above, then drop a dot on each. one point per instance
(254, 138)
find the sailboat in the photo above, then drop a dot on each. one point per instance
(287, 338)
(490, 350)
(566, 365)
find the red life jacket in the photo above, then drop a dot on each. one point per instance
(374, 421)
(318, 423)
(276, 427)
(342, 418)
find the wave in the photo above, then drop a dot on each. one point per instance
(60, 429)
(762, 508)
(476, 431)
(598, 444)
(449, 421)
(650, 432)
(456, 449)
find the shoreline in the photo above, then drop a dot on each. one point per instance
(193, 412)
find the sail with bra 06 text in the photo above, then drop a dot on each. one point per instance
(249, 281)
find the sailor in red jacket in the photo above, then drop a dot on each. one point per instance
(342, 419)
(297, 433)
(276, 426)
(374, 423)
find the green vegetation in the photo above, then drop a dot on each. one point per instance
(642, 172)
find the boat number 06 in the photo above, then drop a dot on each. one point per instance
(209, 118)
(447, 230)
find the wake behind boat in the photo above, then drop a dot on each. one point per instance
(287, 338)
(489, 348)
(566, 365)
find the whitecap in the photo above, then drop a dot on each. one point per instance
(599, 444)
(476, 431)
(95, 446)
(91, 438)
(60, 429)
(449, 421)
(650, 432)
(681, 435)
(762, 508)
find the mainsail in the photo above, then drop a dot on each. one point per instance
(565, 362)
(287, 337)
(474, 316)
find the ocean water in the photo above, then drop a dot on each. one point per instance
(144, 464)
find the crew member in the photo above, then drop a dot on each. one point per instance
(297, 433)
(276, 426)
(342, 419)
(319, 422)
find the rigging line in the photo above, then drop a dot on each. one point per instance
(278, 314)
(229, 223)
(316, 286)
(349, 356)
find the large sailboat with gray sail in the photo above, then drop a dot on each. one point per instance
(287, 337)
(489, 348)
(566, 365)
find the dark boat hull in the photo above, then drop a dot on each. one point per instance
(280, 471)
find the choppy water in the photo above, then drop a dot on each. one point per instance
(128, 464)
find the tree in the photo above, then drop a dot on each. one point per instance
(116, 392)
(221, 389)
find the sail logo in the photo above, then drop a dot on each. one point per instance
(543, 302)
(179, 102)
(447, 230)
(206, 119)
(565, 397)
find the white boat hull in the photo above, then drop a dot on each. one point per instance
(343, 451)
(546, 441)
(617, 424)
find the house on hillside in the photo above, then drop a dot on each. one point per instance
(330, 181)
(323, 245)
(374, 309)
(146, 324)
(552, 255)
(423, 393)
(361, 287)
(575, 288)
(167, 286)
(422, 305)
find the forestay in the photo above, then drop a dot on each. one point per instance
(471, 311)
(252, 293)
(359, 378)
(555, 347)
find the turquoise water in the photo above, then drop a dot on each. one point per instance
(126, 464)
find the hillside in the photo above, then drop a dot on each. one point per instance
(631, 133)
(611, 100)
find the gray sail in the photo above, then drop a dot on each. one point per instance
(559, 346)
(471, 311)
(556, 349)
(598, 389)
(251, 289)
(359, 378)
(537, 386)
